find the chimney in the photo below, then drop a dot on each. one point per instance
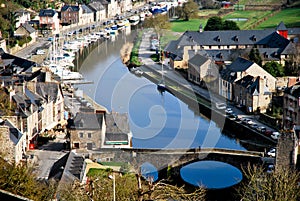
(200, 28)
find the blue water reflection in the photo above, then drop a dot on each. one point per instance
(149, 171)
(156, 121)
(211, 174)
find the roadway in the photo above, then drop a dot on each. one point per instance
(165, 70)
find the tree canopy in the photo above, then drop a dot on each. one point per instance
(274, 69)
(260, 185)
(254, 56)
(158, 23)
(216, 23)
(188, 10)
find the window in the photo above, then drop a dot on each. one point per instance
(81, 135)
(89, 135)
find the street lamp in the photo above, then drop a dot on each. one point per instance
(114, 184)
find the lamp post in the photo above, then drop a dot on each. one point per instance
(114, 185)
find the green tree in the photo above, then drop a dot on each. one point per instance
(274, 69)
(214, 24)
(20, 180)
(254, 56)
(230, 25)
(260, 185)
(188, 10)
(158, 23)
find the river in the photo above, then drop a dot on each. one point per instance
(156, 120)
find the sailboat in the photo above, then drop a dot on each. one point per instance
(161, 86)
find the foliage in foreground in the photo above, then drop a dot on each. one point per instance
(128, 187)
(20, 180)
(260, 185)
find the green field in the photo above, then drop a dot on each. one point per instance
(291, 18)
(251, 16)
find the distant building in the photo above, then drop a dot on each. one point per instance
(26, 29)
(291, 106)
(22, 16)
(247, 84)
(69, 15)
(48, 20)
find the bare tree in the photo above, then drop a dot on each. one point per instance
(260, 185)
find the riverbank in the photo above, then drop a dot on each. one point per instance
(196, 97)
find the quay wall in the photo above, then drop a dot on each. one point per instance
(203, 105)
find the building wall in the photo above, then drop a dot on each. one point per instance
(291, 114)
(83, 137)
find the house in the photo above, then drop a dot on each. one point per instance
(201, 69)
(69, 15)
(86, 15)
(291, 106)
(22, 16)
(225, 46)
(86, 130)
(239, 69)
(98, 10)
(26, 30)
(12, 142)
(48, 20)
(117, 133)
(252, 93)
(111, 8)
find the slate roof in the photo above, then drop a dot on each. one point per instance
(96, 6)
(250, 83)
(88, 121)
(86, 9)
(28, 28)
(48, 90)
(47, 13)
(14, 133)
(117, 123)
(294, 90)
(70, 8)
(239, 65)
(23, 103)
(21, 12)
(197, 60)
(18, 64)
(74, 168)
(281, 27)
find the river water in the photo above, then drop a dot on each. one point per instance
(156, 120)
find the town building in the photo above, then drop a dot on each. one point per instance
(291, 106)
(69, 14)
(48, 20)
(247, 84)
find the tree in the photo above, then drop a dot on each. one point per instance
(214, 24)
(230, 25)
(188, 10)
(274, 69)
(255, 56)
(158, 23)
(20, 180)
(260, 185)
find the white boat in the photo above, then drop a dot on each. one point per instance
(142, 16)
(134, 20)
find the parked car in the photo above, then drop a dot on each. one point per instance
(232, 116)
(246, 121)
(270, 168)
(253, 126)
(275, 135)
(229, 110)
(40, 52)
(221, 106)
(268, 132)
(272, 152)
(261, 129)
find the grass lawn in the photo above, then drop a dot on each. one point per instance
(191, 25)
(290, 17)
(251, 16)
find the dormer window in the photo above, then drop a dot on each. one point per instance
(236, 38)
(218, 39)
(253, 38)
(266, 55)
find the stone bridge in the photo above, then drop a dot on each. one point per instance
(177, 158)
